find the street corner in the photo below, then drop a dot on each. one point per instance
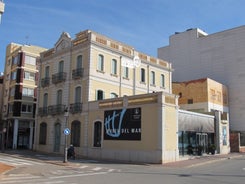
(5, 168)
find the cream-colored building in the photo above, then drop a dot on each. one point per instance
(20, 94)
(93, 67)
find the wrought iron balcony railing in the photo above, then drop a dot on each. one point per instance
(75, 108)
(43, 111)
(77, 73)
(58, 77)
(45, 82)
(56, 109)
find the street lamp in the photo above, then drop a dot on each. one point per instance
(66, 132)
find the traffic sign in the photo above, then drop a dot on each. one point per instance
(67, 131)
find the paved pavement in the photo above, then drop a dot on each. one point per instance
(58, 159)
(201, 160)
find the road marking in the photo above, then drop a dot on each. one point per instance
(83, 167)
(75, 175)
(17, 162)
(96, 168)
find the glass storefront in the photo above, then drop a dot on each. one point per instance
(191, 143)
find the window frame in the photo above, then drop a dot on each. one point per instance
(43, 133)
(97, 134)
(100, 63)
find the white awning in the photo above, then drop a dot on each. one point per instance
(195, 122)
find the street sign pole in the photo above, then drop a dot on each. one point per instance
(65, 150)
(66, 132)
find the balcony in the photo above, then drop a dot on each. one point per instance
(75, 108)
(58, 77)
(45, 82)
(77, 73)
(56, 109)
(43, 111)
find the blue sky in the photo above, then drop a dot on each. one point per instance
(144, 24)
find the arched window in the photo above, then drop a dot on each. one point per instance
(162, 80)
(125, 72)
(114, 95)
(57, 137)
(59, 97)
(43, 133)
(100, 95)
(45, 100)
(45, 104)
(100, 64)
(61, 66)
(97, 133)
(79, 61)
(152, 78)
(78, 92)
(142, 79)
(114, 66)
(47, 71)
(75, 133)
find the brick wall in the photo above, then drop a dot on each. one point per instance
(234, 142)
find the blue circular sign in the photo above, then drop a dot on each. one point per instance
(67, 131)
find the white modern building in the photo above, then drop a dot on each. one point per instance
(220, 56)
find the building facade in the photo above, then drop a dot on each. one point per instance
(139, 128)
(91, 67)
(202, 95)
(208, 97)
(220, 56)
(20, 94)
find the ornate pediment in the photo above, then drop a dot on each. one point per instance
(63, 42)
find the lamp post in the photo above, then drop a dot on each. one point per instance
(66, 132)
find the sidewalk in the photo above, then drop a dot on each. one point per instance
(201, 160)
(58, 159)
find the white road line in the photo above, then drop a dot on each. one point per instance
(83, 167)
(76, 175)
(110, 170)
(16, 162)
(96, 168)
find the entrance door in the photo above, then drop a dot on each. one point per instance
(57, 136)
(202, 140)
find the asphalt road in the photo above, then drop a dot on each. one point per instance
(52, 171)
